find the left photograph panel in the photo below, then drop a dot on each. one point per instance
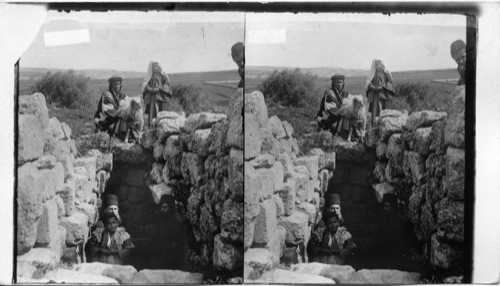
(129, 137)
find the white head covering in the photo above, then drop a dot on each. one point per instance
(149, 74)
(372, 72)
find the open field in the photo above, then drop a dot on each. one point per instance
(218, 95)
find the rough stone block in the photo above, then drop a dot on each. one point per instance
(414, 167)
(169, 123)
(422, 140)
(76, 228)
(260, 260)
(288, 129)
(311, 162)
(287, 163)
(276, 127)
(35, 105)
(302, 185)
(253, 137)
(379, 171)
(68, 195)
(414, 204)
(389, 125)
(253, 193)
(395, 146)
(158, 150)
(278, 173)
(340, 273)
(424, 118)
(444, 255)
(249, 230)
(157, 191)
(89, 210)
(450, 220)
(280, 207)
(296, 227)
(381, 150)
(157, 172)
(455, 173)
(265, 224)
(192, 168)
(235, 132)
(202, 120)
(47, 225)
(310, 210)
(31, 138)
(67, 160)
(83, 189)
(29, 207)
(287, 195)
(276, 244)
(226, 256)
(263, 161)
(427, 223)
(173, 155)
(121, 273)
(41, 258)
(256, 105)
(55, 129)
(58, 244)
(65, 276)
(232, 221)
(454, 132)
(382, 189)
(270, 145)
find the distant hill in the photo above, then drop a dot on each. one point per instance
(321, 72)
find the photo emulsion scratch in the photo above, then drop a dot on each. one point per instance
(130, 165)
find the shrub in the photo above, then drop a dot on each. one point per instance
(413, 97)
(190, 98)
(65, 89)
(290, 88)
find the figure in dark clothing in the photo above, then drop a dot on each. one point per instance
(379, 88)
(238, 55)
(328, 116)
(458, 53)
(169, 235)
(108, 115)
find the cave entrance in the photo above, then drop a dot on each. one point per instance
(141, 217)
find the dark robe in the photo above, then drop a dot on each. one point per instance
(327, 119)
(377, 99)
(170, 241)
(119, 241)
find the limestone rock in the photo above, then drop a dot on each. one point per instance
(226, 256)
(260, 260)
(194, 202)
(280, 207)
(379, 171)
(149, 137)
(75, 277)
(192, 168)
(278, 173)
(382, 189)
(89, 210)
(55, 129)
(198, 142)
(395, 146)
(311, 162)
(256, 105)
(158, 190)
(265, 224)
(381, 150)
(173, 156)
(263, 161)
(90, 164)
(276, 244)
(47, 225)
(249, 231)
(385, 277)
(99, 164)
(288, 129)
(296, 227)
(302, 185)
(454, 133)
(121, 273)
(207, 225)
(58, 244)
(424, 118)
(389, 125)
(427, 223)
(29, 207)
(35, 105)
(253, 137)
(416, 199)
(310, 210)
(414, 167)
(31, 138)
(130, 153)
(276, 127)
(43, 259)
(232, 221)
(235, 132)
(157, 172)
(450, 220)
(270, 144)
(83, 188)
(201, 120)
(287, 195)
(252, 192)
(340, 273)
(444, 255)
(68, 195)
(61, 211)
(437, 136)
(280, 276)
(67, 160)
(169, 123)
(76, 227)
(287, 163)
(455, 173)
(158, 150)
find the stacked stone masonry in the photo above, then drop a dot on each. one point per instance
(57, 193)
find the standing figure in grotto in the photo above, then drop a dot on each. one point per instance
(169, 240)
(110, 244)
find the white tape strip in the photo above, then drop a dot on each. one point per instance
(69, 37)
(267, 36)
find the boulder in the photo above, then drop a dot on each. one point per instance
(43, 259)
(207, 224)
(414, 204)
(65, 276)
(89, 210)
(311, 162)
(381, 150)
(192, 168)
(157, 191)
(302, 185)
(157, 172)
(280, 207)
(379, 171)
(253, 137)
(99, 164)
(414, 167)
(226, 256)
(232, 221)
(158, 150)
(55, 129)
(235, 132)
(149, 137)
(35, 105)
(287, 163)
(309, 209)
(61, 211)
(256, 105)
(249, 231)
(339, 273)
(455, 173)
(270, 144)
(287, 195)
(444, 255)
(30, 144)
(193, 205)
(390, 124)
(296, 227)
(276, 127)
(90, 164)
(424, 118)
(120, 273)
(45, 162)
(203, 120)
(83, 188)
(58, 244)
(437, 137)
(48, 223)
(281, 276)
(395, 147)
(394, 169)
(288, 129)
(253, 193)
(148, 276)
(130, 153)
(169, 123)
(173, 156)
(422, 140)
(454, 132)
(76, 226)
(450, 220)
(68, 195)
(278, 173)
(382, 189)
(265, 224)
(260, 260)
(29, 207)
(427, 223)
(276, 244)
(385, 277)
(67, 160)
(263, 161)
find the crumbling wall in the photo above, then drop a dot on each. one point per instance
(282, 191)
(57, 190)
(421, 160)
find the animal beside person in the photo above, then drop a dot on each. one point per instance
(353, 110)
(133, 121)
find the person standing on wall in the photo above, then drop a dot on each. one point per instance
(379, 88)
(155, 90)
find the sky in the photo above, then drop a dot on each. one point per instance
(128, 41)
(352, 41)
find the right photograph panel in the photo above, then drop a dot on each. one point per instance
(354, 148)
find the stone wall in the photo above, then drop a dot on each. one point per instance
(421, 160)
(57, 190)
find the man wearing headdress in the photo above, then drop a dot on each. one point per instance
(458, 53)
(328, 115)
(238, 55)
(108, 115)
(155, 90)
(379, 88)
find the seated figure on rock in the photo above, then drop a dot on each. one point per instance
(112, 244)
(328, 116)
(336, 244)
(108, 115)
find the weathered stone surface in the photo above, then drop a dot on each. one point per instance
(287, 163)
(280, 276)
(311, 162)
(54, 129)
(157, 172)
(414, 167)
(235, 132)
(231, 224)
(169, 123)
(43, 259)
(173, 155)
(296, 227)
(436, 165)
(450, 220)
(379, 171)
(455, 173)
(288, 129)
(148, 139)
(24, 272)
(279, 177)
(263, 161)
(31, 138)
(390, 124)
(416, 199)
(253, 137)
(437, 136)
(89, 210)
(192, 168)
(67, 160)
(395, 146)
(385, 277)
(67, 130)
(340, 273)
(454, 133)
(309, 209)
(58, 244)
(276, 127)
(226, 256)
(47, 225)
(82, 185)
(301, 184)
(194, 202)
(89, 163)
(422, 140)
(267, 182)
(276, 244)
(98, 157)
(129, 153)
(381, 150)
(107, 161)
(260, 260)
(444, 255)
(121, 273)
(207, 225)
(280, 207)
(158, 150)
(256, 105)
(382, 189)
(66, 276)
(270, 144)
(424, 118)
(61, 211)
(68, 195)
(249, 230)
(287, 195)
(394, 169)
(29, 207)
(202, 120)
(34, 105)
(265, 224)
(76, 226)
(157, 191)
(252, 192)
